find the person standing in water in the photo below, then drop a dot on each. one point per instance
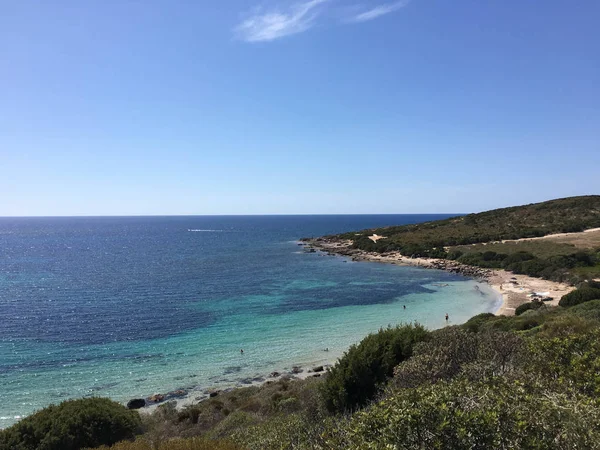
(446, 317)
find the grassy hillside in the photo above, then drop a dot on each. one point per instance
(481, 239)
(540, 219)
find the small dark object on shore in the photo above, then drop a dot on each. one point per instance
(213, 394)
(136, 403)
(156, 398)
(318, 369)
(274, 374)
(178, 393)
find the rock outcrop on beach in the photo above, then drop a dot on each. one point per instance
(136, 403)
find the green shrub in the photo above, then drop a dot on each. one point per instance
(72, 425)
(455, 254)
(527, 306)
(437, 359)
(453, 352)
(475, 323)
(588, 310)
(354, 380)
(290, 431)
(175, 444)
(584, 294)
(569, 361)
(465, 415)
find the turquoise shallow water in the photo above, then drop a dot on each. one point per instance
(127, 307)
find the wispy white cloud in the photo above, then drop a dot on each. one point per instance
(379, 11)
(273, 25)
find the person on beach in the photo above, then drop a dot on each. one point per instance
(446, 317)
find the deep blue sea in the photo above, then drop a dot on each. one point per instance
(125, 307)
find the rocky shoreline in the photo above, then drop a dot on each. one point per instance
(194, 395)
(337, 247)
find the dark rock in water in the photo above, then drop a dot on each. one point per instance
(258, 379)
(316, 375)
(232, 369)
(318, 369)
(274, 374)
(297, 369)
(246, 381)
(156, 398)
(136, 403)
(213, 394)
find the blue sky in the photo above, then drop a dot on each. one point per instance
(320, 106)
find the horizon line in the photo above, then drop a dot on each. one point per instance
(228, 215)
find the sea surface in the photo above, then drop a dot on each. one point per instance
(125, 307)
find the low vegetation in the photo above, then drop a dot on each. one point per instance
(589, 291)
(484, 239)
(559, 267)
(354, 381)
(535, 220)
(528, 381)
(73, 425)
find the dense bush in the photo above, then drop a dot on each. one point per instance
(453, 352)
(588, 310)
(570, 361)
(466, 415)
(556, 267)
(175, 444)
(354, 380)
(282, 432)
(528, 306)
(584, 294)
(72, 425)
(475, 323)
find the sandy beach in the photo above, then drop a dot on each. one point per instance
(514, 289)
